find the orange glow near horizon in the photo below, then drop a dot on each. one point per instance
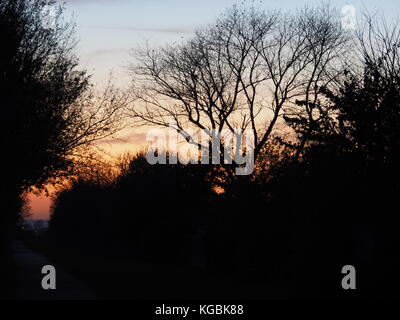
(39, 206)
(129, 141)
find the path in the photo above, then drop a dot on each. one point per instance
(29, 265)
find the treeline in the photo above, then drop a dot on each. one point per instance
(296, 225)
(295, 222)
(322, 196)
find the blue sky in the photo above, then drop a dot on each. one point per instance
(108, 29)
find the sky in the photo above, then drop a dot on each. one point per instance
(107, 31)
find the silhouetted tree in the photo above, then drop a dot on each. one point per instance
(49, 111)
(151, 210)
(243, 72)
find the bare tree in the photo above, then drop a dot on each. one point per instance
(243, 72)
(329, 55)
(378, 44)
(88, 122)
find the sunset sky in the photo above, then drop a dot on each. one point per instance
(108, 29)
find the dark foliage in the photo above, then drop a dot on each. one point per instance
(293, 226)
(46, 104)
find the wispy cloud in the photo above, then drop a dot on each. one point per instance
(174, 30)
(137, 139)
(107, 51)
(84, 1)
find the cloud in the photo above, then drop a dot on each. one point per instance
(176, 30)
(107, 51)
(83, 1)
(128, 138)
